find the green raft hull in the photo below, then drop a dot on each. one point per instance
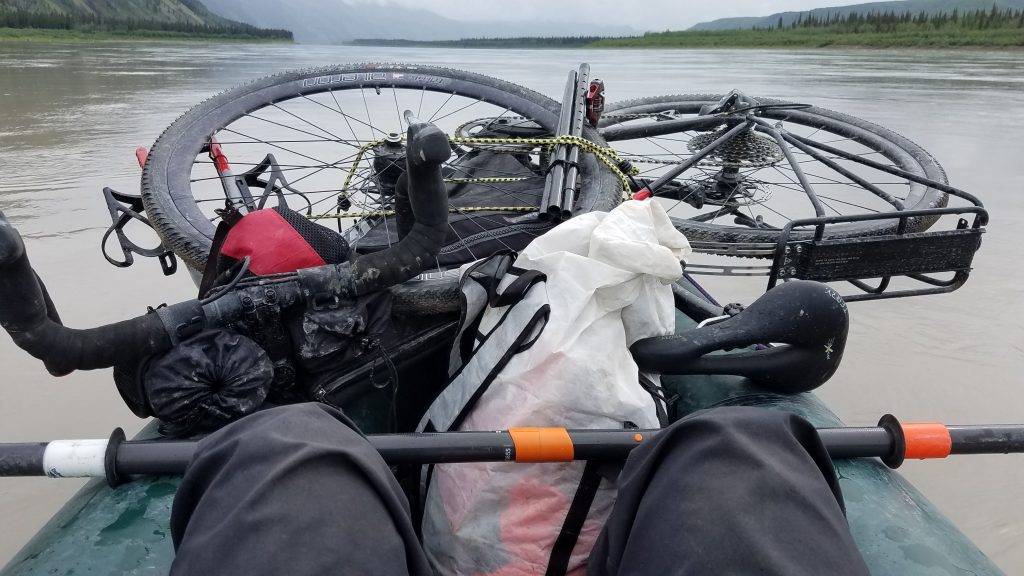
(126, 530)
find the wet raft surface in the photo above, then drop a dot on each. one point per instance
(126, 531)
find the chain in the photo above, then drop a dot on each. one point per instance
(484, 180)
(607, 156)
(639, 159)
(453, 210)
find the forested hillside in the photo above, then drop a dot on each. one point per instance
(894, 6)
(147, 18)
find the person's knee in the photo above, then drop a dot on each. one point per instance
(748, 420)
(274, 429)
(732, 428)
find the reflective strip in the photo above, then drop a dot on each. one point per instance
(542, 444)
(927, 440)
(74, 458)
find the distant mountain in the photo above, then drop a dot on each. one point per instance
(914, 6)
(191, 11)
(175, 17)
(338, 22)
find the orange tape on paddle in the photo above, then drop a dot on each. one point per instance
(541, 444)
(927, 440)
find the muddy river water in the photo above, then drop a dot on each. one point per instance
(71, 115)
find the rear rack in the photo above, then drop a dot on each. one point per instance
(914, 255)
(818, 256)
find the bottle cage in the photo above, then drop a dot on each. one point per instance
(274, 183)
(123, 209)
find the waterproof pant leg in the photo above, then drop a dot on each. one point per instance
(293, 491)
(736, 490)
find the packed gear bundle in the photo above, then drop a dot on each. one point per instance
(323, 353)
(544, 340)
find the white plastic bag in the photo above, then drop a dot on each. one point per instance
(607, 285)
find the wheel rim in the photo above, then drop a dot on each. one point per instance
(289, 119)
(753, 184)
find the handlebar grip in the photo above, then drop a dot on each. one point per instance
(809, 319)
(427, 149)
(29, 316)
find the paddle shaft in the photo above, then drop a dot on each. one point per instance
(117, 459)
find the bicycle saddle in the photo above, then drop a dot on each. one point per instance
(798, 328)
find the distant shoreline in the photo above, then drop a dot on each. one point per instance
(996, 29)
(52, 35)
(979, 47)
(734, 39)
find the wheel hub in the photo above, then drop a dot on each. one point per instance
(724, 191)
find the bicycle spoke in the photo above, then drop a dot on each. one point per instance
(297, 130)
(296, 116)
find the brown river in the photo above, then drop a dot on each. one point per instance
(71, 116)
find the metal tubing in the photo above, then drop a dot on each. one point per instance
(997, 439)
(660, 128)
(550, 203)
(855, 178)
(892, 170)
(444, 447)
(698, 156)
(819, 210)
(22, 459)
(865, 442)
(572, 170)
(158, 457)
(154, 457)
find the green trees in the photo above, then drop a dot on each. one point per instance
(49, 20)
(982, 27)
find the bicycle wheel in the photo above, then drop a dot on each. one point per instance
(335, 134)
(743, 192)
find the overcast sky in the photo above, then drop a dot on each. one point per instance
(639, 14)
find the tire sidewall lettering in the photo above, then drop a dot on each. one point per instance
(371, 77)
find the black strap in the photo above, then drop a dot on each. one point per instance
(487, 273)
(210, 271)
(558, 563)
(531, 331)
(517, 289)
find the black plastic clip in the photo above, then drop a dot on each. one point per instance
(899, 441)
(123, 209)
(114, 478)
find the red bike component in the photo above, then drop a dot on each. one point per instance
(220, 161)
(595, 101)
(271, 242)
(141, 154)
(642, 194)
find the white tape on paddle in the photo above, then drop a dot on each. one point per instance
(74, 458)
